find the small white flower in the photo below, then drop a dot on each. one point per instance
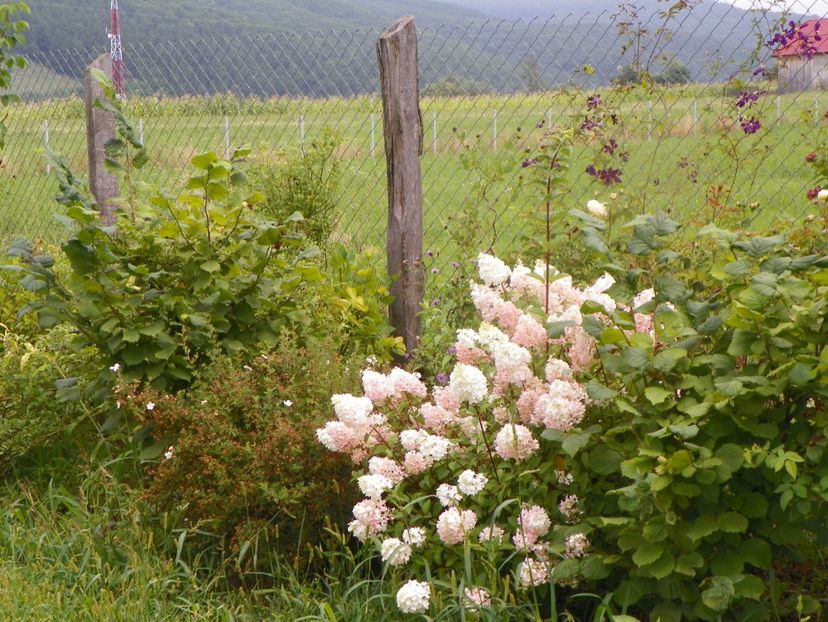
(203, 402)
(168, 455)
(248, 368)
(597, 209)
(823, 195)
(118, 404)
(115, 368)
(372, 486)
(150, 405)
(288, 403)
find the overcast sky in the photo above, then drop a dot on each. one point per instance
(811, 7)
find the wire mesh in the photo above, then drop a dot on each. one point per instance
(485, 87)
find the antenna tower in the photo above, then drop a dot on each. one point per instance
(117, 51)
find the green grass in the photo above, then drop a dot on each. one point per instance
(682, 122)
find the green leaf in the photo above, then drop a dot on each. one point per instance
(688, 564)
(205, 160)
(718, 596)
(598, 392)
(749, 586)
(732, 522)
(647, 553)
(573, 443)
(702, 527)
(666, 360)
(756, 552)
(635, 358)
(604, 461)
(657, 395)
(211, 266)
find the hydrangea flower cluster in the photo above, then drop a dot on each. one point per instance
(510, 383)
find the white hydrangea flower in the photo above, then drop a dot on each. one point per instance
(597, 209)
(493, 271)
(415, 536)
(411, 440)
(471, 483)
(468, 384)
(448, 495)
(491, 534)
(490, 336)
(466, 338)
(414, 597)
(372, 486)
(435, 447)
(352, 411)
(395, 551)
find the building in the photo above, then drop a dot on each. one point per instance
(803, 59)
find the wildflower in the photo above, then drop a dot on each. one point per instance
(413, 597)
(746, 99)
(170, 453)
(597, 209)
(288, 403)
(395, 552)
(750, 126)
(471, 483)
(115, 368)
(593, 101)
(811, 157)
(442, 379)
(823, 195)
(813, 193)
(150, 405)
(529, 162)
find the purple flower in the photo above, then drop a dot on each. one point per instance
(610, 147)
(430, 254)
(452, 350)
(591, 170)
(746, 99)
(529, 162)
(610, 176)
(435, 271)
(750, 126)
(435, 302)
(455, 264)
(593, 101)
(590, 124)
(442, 379)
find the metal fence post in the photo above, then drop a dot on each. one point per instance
(100, 129)
(46, 145)
(402, 125)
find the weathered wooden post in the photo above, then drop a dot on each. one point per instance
(100, 129)
(403, 130)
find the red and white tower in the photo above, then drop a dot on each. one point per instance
(117, 51)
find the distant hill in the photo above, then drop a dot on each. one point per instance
(256, 47)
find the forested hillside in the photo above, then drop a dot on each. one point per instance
(255, 47)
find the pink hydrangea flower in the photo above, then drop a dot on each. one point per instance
(529, 333)
(386, 467)
(532, 573)
(576, 546)
(371, 518)
(453, 525)
(515, 442)
(405, 383)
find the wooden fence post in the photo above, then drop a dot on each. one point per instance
(403, 129)
(100, 129)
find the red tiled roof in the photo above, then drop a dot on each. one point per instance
(809, 30)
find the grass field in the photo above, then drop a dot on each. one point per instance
(693, 126)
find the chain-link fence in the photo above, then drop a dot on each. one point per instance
(488, 90)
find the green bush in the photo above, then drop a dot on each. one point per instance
(707, 459)
(305, 182)
(36, 378)
(238, 455)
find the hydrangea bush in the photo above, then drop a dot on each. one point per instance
(661, 431)
(459, 482)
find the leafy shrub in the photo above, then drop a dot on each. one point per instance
(352, 303)
(714, 418)
(179, 278)
(665, 433)
(305, 182)
(36, 379)
(241, 459)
